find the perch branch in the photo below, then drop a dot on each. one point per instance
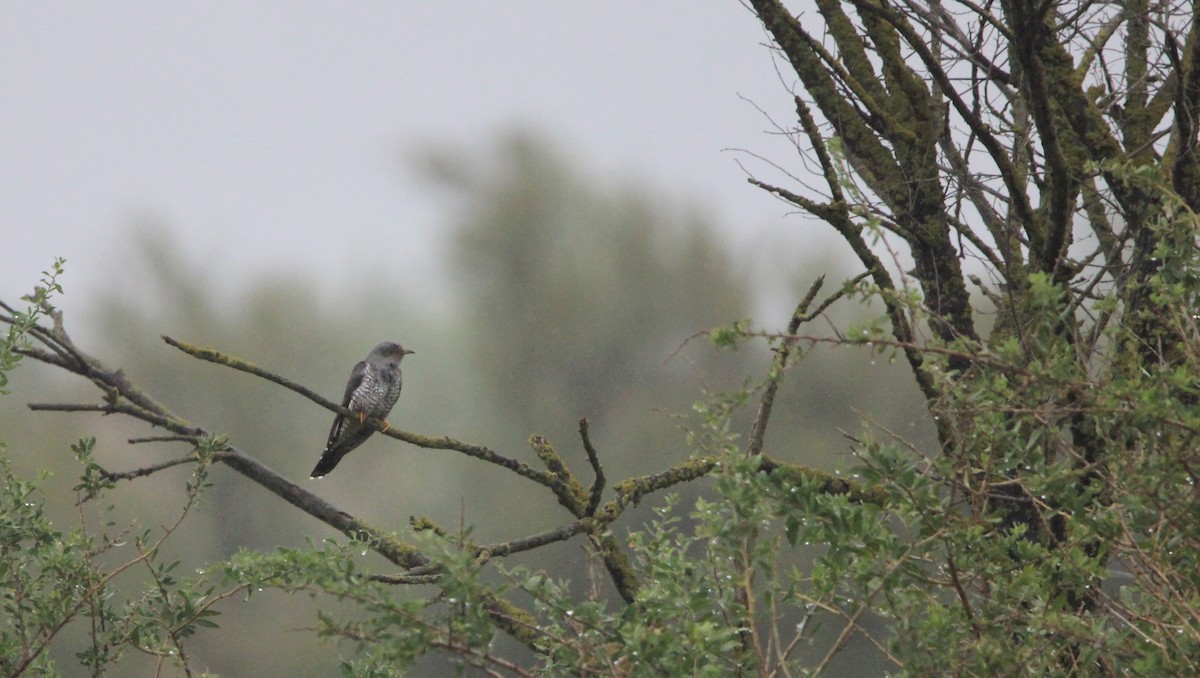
(427, 442)
(558, 479)
(122, 397)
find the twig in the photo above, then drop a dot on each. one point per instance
(537, 540)
(147, 470)
(167, 421)
(71, 407)
(758, 431)
(163, 439)
(406, 579)
(502, 549)
(481, 659)
(594, 460)
(981, 357)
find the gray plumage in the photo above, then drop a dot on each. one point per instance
(372, 390)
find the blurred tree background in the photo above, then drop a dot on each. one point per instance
(571, 296)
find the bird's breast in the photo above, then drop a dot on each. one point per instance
(378, 391)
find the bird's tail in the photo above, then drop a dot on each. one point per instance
(325, 464)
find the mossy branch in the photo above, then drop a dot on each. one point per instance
(427, 442)
(566, 488)
(597, 469)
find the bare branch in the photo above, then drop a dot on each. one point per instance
(540, 539)
(759, 431)
(597, 470)
(163, 439)
(147, 470)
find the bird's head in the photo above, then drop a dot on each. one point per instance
(389, 352)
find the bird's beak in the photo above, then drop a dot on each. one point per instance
(406, 352)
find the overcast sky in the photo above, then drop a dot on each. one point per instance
(270, 135)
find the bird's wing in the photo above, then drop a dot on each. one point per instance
(356, 378)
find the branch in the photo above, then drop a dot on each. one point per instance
(507, 548)
(979, 127)
(563, 483)
(558, 480)
(826, 483)
(1046, 238)
(71, 407)
(147, 470)
(162, 439)
(801, 50)
(406, 579)
(122, 397)
(570, 494)
(381, 542)
(440, 443)
(1185, 172)
(632, 490)
(538, 540)
(980, 357)
(594, 460)
(115, 406)
(759, 430)
(219, 358)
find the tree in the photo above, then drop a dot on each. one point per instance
(1051, 530)
(1046, 154)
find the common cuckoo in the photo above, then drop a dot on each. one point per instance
(372, 390)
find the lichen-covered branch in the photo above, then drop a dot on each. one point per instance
(597, 470)
(563, 484)
(427, 442)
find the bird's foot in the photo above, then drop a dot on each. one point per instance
(362, 418)
(386, 426)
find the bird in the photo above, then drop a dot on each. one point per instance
(372, 391)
